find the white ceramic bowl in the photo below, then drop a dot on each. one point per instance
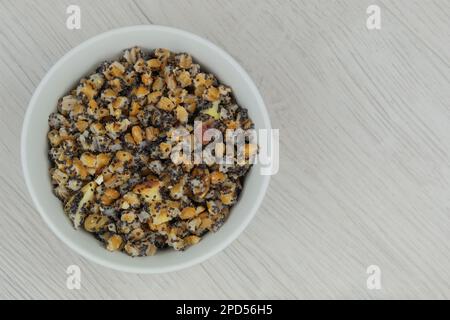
(82, 60)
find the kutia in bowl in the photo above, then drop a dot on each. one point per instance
(135, 184)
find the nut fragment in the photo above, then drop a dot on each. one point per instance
(95, 222)
(250, 150)
(129, 139)
(131, 249)
(110, 148)
(154, 96)
(116, 69)
(136, 234)
(151, 250)
(132, 199)
(75, 208)
(191, 240)
(228, 194)
(88, 160)
(54, 138)
(161, 218)
(128, 217)
(166, 104)
(59, 177)
(135, 108)
(185, 61)
(171, 82)
(150, 194)
(137, 134)
(154, 64)
(158, 84)
(124, 156)
(80, 169)
(213, 111)
(185, 79)
(213, 94)
(151, 133)
(182, 114)
(116, 180)
(188, 213)
(82, 125)
(217, 177)
(102, 160)
(109, 196)
(97, 128)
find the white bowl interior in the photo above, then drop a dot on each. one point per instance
(81, 61)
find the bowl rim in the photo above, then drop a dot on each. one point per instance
(80, 249)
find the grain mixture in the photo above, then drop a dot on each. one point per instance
(110, 153)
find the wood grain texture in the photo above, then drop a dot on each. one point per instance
(365, 149)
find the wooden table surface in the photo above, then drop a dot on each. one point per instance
(364, 179)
